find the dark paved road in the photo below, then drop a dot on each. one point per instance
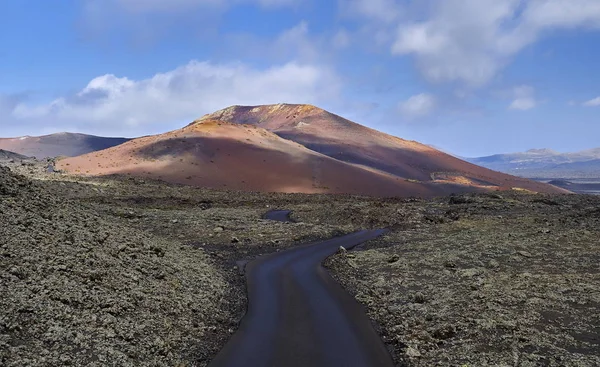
(278, 215)
(298, 315)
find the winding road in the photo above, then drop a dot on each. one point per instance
(298, 315)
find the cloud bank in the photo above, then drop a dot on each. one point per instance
(128, 107)
(468, 41)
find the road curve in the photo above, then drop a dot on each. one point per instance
(298, 315)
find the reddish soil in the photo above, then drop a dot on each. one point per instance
(294, 148)
(239, 157)
(347, 141)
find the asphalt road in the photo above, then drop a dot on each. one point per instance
(298, 315)
(278, 215)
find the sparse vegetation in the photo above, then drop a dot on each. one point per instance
(488, 279)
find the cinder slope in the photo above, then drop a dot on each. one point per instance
(217, 154)
(61, 144)
(6, 156)
(347, 141)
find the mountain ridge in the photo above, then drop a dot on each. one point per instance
(294, 148)
(219, 154)
(58, 144)
(545, 163)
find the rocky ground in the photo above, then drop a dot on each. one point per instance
(129, 272)
(82, 288)
(507, 280)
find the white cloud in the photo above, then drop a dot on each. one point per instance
(341, 39)
(142, 6)
(296, 42)
(378, 10)
(418, 105)
(523, 104)
(560, 13)
(143, 22)
(471, 41)
(592, 102)
(524, 98)
(109, 104)
(151, 6)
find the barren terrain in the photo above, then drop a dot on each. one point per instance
(218, 154)
(294, 149)
(129, 271)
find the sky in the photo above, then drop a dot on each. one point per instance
(470, 77)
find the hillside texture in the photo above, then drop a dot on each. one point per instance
(294, 149)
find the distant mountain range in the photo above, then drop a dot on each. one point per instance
(293, 148)
(61, 144)
(544, 163)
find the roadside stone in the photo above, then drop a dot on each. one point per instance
(493, 264)
(419, 298)
(471, 272)
(444, 332)
(450, 264)
(455, 199)
(524, 253)
(412, 352)
(453, 215)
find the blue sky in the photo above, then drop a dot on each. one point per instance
(472, 77)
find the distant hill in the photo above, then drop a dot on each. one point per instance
(60, 144)
(545, 163)
(294, 148)
(580, 186)
(6, 156)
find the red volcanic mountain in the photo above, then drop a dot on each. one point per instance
(294, 148)
(60, 144)
(344, 140)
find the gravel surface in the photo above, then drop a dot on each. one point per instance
(486, 281)
(82, 289)
(126, 271)
(118, 271)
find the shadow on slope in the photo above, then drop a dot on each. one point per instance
(218, 162)
(426, 165)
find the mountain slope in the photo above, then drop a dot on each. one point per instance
(350, 142)
(239, 157)
(60, 144)
(293, 148)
